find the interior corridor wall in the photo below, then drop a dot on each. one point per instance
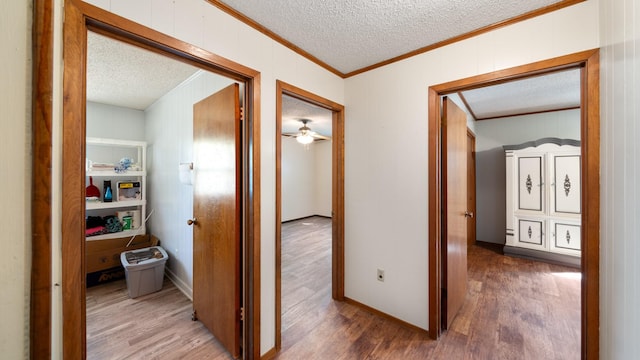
(15, 178)
(387, 179)
(620, 167)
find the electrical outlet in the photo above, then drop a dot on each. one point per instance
(380, 275)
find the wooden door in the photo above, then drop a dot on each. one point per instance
(454, 227)
(471, 188)
(217, 211)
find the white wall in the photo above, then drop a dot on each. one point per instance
(620, 170)
(491, 135)
(169, 136)
(114, 122)
(15, 178)
(305, 180)
(386, 164)
(323, 161)
(298, 184)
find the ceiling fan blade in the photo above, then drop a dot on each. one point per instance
(320, 137)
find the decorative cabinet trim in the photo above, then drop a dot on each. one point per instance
(543, 141)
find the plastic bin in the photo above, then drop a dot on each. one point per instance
(144, 270)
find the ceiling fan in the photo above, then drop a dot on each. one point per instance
(305, 135)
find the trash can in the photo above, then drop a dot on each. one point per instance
(144, 270)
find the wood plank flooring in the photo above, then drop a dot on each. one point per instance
(515, 309)
(153, 326)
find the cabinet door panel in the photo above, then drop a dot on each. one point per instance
(566, 236)
(530, 183)
(566, 192)
(530, 232)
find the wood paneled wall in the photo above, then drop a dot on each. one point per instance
(620, 246)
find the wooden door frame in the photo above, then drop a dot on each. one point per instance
(79, 18)
(589, 62)
(337, 194)
(471, 135)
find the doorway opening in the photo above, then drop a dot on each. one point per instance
(79, 20)
(144, 113)
(289, 94)
(588, 63)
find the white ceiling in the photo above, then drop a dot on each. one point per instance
(128, 76)
(351, 35)
(549, 92)
(293, 110)
(348, 35)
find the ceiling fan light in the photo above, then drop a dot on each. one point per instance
(304, 139)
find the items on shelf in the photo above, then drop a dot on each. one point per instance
(108, 194)
(96, 225)
(92, 192)
(129, 190)
(123, 196)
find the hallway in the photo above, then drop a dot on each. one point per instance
(515, 309)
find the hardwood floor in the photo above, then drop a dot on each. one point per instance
(514, 309)
(153, 326)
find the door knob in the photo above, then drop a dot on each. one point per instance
(468, 214)
(191, 221)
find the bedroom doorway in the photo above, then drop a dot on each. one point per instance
(289, 94)
(79, 19)
(588, 64)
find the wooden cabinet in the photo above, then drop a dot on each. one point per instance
(543, 200)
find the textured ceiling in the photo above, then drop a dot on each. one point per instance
(554, 91)
(128, 76)
(346, 34)
(351, 35)
(293, 110)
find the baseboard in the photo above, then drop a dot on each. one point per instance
(306, 217)
(495, 247)
(553, 258)
(181, 285)
(385, 315)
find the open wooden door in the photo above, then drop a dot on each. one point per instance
(471, 188)
(454, 227)
(217, 209)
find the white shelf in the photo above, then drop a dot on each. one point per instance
(115, 142)
(107, 151)
(120, 234)
(92, 205)
(111, 173)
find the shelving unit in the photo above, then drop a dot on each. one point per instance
(110, 151)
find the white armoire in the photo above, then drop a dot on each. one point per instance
(543, 200)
